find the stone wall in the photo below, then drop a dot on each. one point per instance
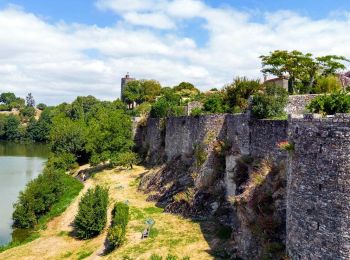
(318, 169)
(265, 136)
(152, 136)
(184, 133)
(318, 188)
(297, 103)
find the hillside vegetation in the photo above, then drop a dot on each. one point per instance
(171, 234)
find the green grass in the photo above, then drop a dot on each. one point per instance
(73, 187)
(153, 210)
(84, 254)
(68, 254)
(63, 234)
(136, 214)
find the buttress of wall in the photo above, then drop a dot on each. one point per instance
(318, 188)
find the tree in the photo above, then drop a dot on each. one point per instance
(215, 103)
(7, 98)
(30, 100)
(151, 89)
(236, 94)
(301, 67)
(69, 136)
(284, 63)
(13, 129)
(133, 92)
(270, 104)
(39, 130)
(109, 133)
(92, 213)
(125, 159)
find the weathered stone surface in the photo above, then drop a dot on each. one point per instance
(318, 204)
(297, 103)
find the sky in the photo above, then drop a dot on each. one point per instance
(60, 49)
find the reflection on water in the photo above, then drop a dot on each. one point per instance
(18, 165)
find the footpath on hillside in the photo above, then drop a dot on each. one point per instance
(171, 234)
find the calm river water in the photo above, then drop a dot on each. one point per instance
(19, 163)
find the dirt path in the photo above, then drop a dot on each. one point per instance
(171, 234)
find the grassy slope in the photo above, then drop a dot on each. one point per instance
(73, 187)
(171, 234)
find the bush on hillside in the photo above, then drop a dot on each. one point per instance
(37, 198)
(117, 231)
(337, 102)
(41, 106)
(27, 112)
(92, 213)
(271, 103)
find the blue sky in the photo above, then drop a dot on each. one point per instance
(79, 47)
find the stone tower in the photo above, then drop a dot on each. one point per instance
(318, 188)
(124, 82)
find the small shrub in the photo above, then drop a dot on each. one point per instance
(328, 84)
(286, 146)
(337, 102)
(116, 236)
(200, 154)
(117, 231)
(27, 112)
(41, 106)
(270, 104)
(197, 111)
(92, 213)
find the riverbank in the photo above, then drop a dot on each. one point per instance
(171, 234)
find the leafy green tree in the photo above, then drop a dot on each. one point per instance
(133, 92)
(167, 105)
(150, 90)
(39, 130)
(270, 104)
(215, 103)
(301, 67)
(125, 159)
(7, 98)
(109, 133)
(92, 213)
(69, 136)
(13, 130)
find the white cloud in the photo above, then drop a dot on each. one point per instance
(57, 62)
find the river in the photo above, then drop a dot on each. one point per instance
(19, 163)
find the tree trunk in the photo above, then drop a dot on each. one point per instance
(291, 82)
